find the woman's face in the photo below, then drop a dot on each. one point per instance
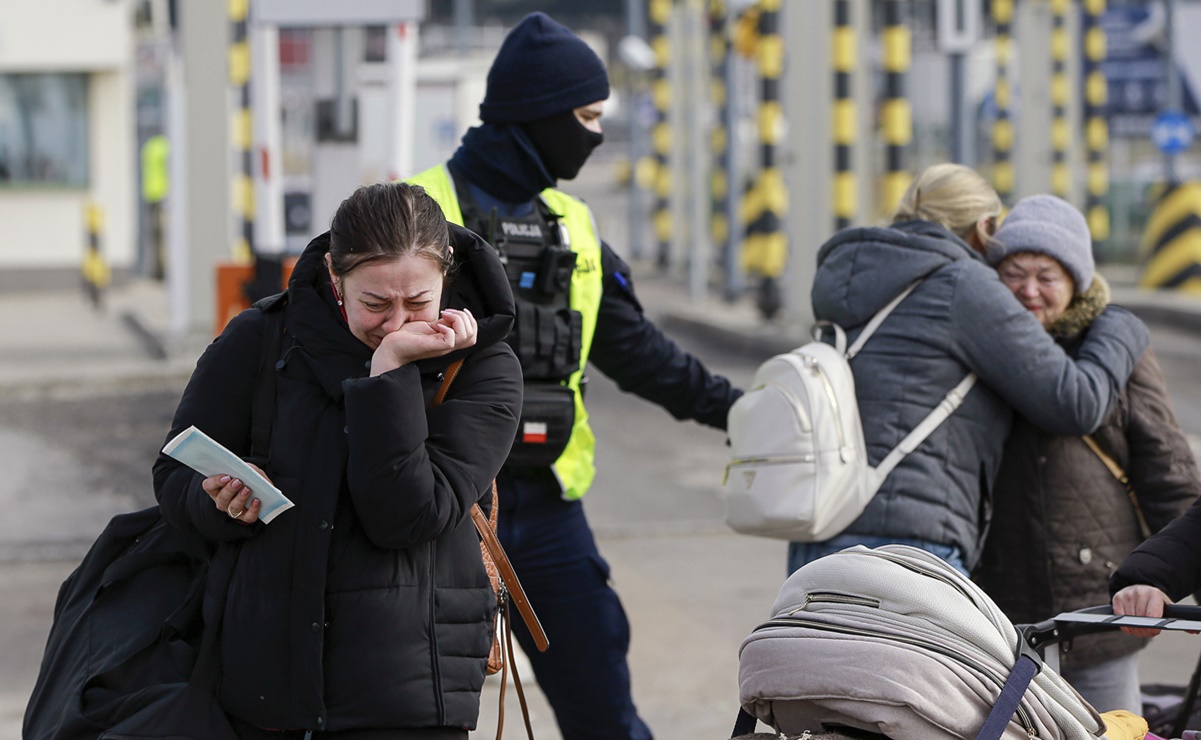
(380, 296)
(1040, 283)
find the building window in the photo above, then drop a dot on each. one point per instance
(44, 129)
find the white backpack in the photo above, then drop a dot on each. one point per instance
(799, 463)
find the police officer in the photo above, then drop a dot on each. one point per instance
(575, 305)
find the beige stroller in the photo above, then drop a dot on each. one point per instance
(893, 643)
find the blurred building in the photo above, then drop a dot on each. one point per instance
(67, 136)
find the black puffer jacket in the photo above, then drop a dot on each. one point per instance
(367, 604)
(1170, 560)
(1061, 521)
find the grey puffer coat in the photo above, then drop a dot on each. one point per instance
(1061, 521)
(961, 319)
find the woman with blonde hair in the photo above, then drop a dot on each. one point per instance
(959, 319)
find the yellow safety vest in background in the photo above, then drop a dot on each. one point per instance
(576, 467)
(156, 180)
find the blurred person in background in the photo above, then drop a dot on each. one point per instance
(1062, 521)
(575, 306)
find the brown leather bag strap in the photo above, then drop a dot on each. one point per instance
(448, 377)
(1116, 471)
(488, 535)
(509, 576)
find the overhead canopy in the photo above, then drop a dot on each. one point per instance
(341, 13)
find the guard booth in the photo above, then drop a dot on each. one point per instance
(331, 90)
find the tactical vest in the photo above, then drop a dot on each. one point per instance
(557, 306)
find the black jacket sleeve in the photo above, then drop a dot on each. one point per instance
(414, 473)
(218, 401)
(1170, 560)
(642, 360)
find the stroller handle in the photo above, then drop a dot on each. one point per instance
(1069, 625)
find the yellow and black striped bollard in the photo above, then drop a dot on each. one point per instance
(896, 116)
(1096, 124)
(719, 183)
(765, 252)
(1061, 135)
(1171, 245)
(95, 270)
(241, 133)
(660, 14)
(1002, 130)
(843, 123)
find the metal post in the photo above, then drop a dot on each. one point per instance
(402, 59)
(957, 132)
(1175, 100)
(205, 178)
(177, 263)
(1033, 136)
(636, 215)
(733, 178)
(719, 185)
(806, 29)
(1096, 130)
(242, 128)
(636, 18)
(679, 164)
(766, 248)
(844, 124)
(1061, 132)
(660, 14)
(896, 117)
(698, 164)
(96, 273)
(1002, 131)
(464, 22)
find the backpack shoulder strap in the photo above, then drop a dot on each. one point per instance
(925, 428)
(875, 321)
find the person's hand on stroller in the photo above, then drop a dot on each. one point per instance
(1140, 600)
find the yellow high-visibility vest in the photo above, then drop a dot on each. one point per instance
(576, 467)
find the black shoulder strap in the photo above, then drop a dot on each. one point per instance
(263, 406)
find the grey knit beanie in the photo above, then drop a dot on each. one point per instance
(1047, 225)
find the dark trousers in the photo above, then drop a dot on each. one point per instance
(584, 673)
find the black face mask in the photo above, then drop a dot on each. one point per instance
(563, 143)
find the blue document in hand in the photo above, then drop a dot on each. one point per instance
(203, 454)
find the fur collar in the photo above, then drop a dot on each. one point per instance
(1084, 308)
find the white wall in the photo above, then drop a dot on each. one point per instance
(64, 35)
(45, 225)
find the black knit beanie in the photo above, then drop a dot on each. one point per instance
(542, 69)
